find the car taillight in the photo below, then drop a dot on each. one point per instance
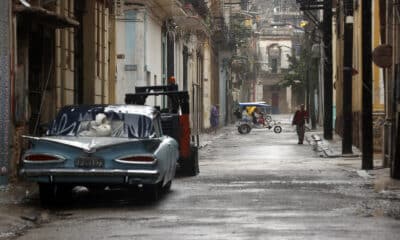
(137, 159)
(42, 158)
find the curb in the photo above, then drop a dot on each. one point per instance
(323, 147)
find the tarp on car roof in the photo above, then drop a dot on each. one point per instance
(137, 120)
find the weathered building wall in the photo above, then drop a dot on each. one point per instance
(224, 109)
(122, 83)
(112, 73)
(5, 66)
(276, 97)
(357, 79)
(152, 55)
(179, 45)
(286, 49)
(96, 52)
(206, 84)
(338, 64)
(57, 62)
(272, 95)
(378, 78)
(64, 60)
(139, 52)
(153, 38)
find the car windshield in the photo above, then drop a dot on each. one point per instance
(101, 122)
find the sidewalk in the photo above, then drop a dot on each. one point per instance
(380, 176)
(15, 214)
(328, 148)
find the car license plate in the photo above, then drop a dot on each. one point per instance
(89, 162)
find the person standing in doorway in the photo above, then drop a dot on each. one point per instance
(299, 119)
(214, 118)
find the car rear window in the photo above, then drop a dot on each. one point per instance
(96, 122)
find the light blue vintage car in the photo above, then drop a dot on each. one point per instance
(99, 146)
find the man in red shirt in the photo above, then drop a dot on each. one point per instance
(299, 119)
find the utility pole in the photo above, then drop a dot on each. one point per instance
(327, 38)
(4, 89)
(367, 134)
(347, 141)
(326, 26)
(314, 79)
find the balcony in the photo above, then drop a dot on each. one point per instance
(200, 6)
(191, 23)
(219, 30)
(239, 64)
(38, 13)
(170, 8)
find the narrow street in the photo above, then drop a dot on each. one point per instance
(256, 186)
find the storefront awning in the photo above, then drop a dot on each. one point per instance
(47, 17)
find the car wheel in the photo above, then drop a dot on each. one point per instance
(244, 129)
(63, 193)
(152, 192)
(52, 194)
(277, 129)
(167, 187)
(47, 194)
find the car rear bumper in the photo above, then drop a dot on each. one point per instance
(91, 175)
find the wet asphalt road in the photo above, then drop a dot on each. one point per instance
(256, 186)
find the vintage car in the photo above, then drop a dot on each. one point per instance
(99, 146)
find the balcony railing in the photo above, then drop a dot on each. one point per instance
(219, 29)
(200, 6)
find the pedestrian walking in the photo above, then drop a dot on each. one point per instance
(299, 119)
(214, 118)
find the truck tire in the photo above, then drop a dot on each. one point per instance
(190, 166)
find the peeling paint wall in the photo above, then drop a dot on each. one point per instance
(4, 86)
(96, 52)
(138, 50)
(64, 62)
(130, 52)
(206, 86)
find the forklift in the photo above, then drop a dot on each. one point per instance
(175, 123)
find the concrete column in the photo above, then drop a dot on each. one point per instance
(4, 89)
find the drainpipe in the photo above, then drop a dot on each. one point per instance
(4, 90)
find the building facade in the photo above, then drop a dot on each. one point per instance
(357, 78)
(60, 55)
(64, 52)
